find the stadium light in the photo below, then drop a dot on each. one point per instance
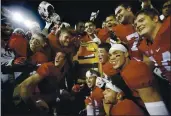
(28, 24)
(17, 17)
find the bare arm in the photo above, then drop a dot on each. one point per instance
(26, 85)
(149, 94)
(148, 62)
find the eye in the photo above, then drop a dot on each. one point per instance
(119, 11)
(141, 20)
(118, 55)
(135, 24)
(37, 42)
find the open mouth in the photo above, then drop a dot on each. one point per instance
(110, 26)
(89, 84)
(120, 17)
(89, 31)
(56, 61)
(113, 62)
(140, 28)
(100, 59)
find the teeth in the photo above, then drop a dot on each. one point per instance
(141, 28)
(113, 62)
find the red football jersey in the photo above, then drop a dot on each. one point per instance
(96, 95)
(160, 50)
(128, 35)
(137, 75)
(126, 107)
(50, 70)
(39, 58)
(103, 34)
(56, 46)
(96, 99)
(108, 69)
(19, 44)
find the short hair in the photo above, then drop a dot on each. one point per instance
(90, 22)
(42, 36)
(112, 15)
(106, 46)
(151, 12)
(68, 30)
(125, 5)
(94, 72)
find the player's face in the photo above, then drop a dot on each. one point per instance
(122, 14)
(6, 29)
(64, 39)
(36, 43)
(81, 27)
(90, 28)
(166, 10)
(91, 81)
(110, 22)
(144, 25)
(109, 96)
(102, 55)
(59, 59)
(117, 58)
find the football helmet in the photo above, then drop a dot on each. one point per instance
(19, 31)
(45, 10)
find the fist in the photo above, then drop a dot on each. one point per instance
(76, 88)
(20, 60)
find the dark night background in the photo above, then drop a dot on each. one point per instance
(73, 11)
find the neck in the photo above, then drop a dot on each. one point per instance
(153, 35)
(91, 36)
(126, 63)
(131, 19)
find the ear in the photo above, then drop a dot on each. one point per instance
(126, 54)
(156, 19)
(118, 96)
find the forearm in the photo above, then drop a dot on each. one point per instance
(24, 92)
(45, 31)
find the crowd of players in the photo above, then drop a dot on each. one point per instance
(123, 68)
